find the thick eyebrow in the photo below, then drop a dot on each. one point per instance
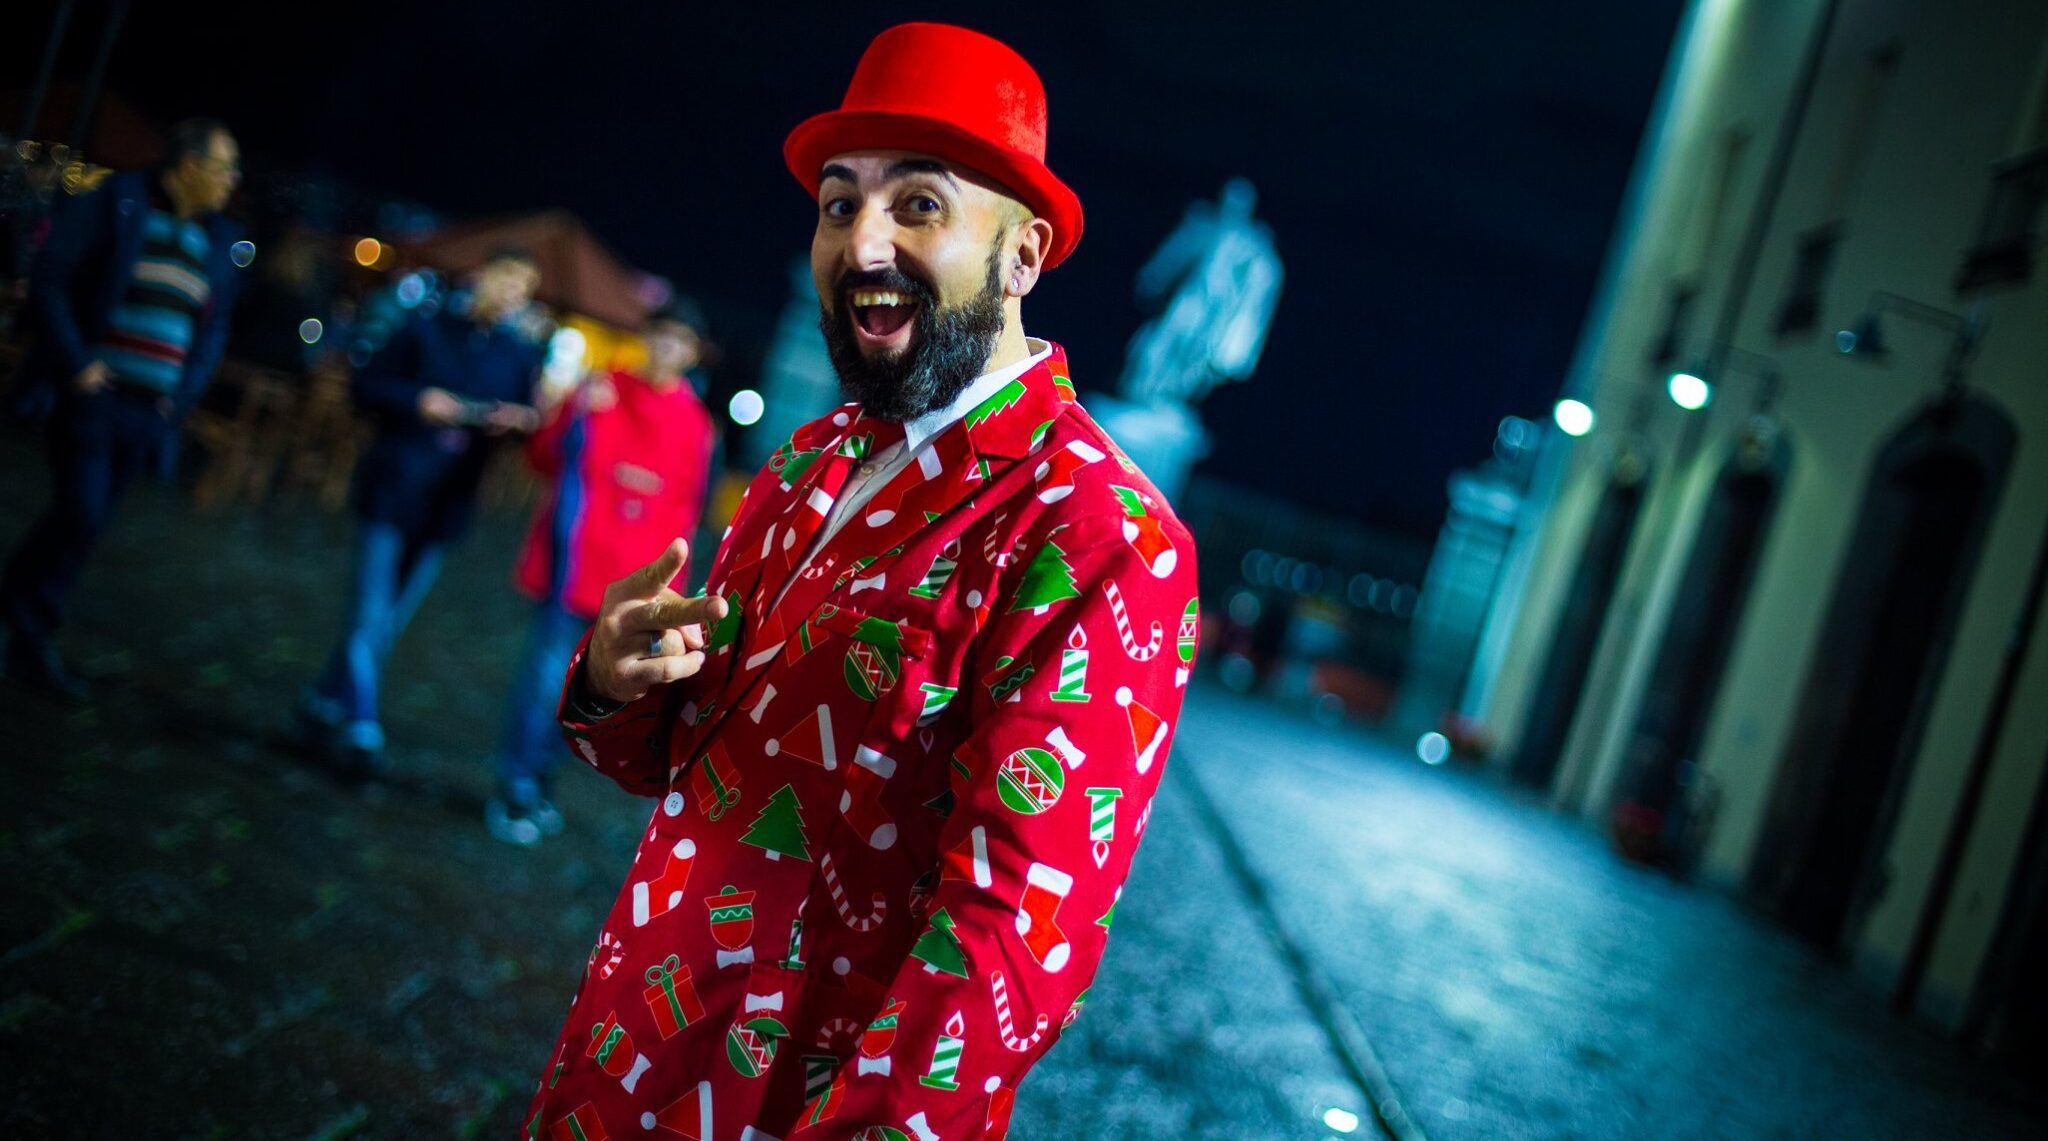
(920, 166)
(896, 170)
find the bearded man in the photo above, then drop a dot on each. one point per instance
(905, 745)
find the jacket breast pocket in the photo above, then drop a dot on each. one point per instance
(879, 661)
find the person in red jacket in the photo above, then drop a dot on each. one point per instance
(626, 456)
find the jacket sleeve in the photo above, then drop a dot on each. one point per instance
(631, 745)
(212, 338)
(544, 447)
(1051, 794)
(388, 386)
(77, 231)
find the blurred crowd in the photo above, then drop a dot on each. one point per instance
(125, 293)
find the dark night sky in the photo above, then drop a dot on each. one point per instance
(1440, 178)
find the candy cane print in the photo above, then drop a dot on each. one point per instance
(1123, 627)
(993, 548)
(840, 1036)
(872, 920)
(1007, 1026)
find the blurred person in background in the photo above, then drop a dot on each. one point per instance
(626, 456)
(442, 390)
(129, 300)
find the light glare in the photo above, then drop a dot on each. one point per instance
(368, 250)
(745, 407)
(310, 330)
(1340, 1120)
(1574, 417)
(1434, 748)
(1689, 391)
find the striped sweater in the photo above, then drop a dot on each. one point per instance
(150, 329)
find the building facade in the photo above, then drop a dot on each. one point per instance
(1786, 640)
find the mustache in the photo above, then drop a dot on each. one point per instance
(891, 278)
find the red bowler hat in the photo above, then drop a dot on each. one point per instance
(954, 94)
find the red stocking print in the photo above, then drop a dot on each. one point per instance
(1055, 476)
(660, 895)
(861, 803)
(1144, 533)
(1045, 888)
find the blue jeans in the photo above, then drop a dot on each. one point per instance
(393, 573)
(532, 737)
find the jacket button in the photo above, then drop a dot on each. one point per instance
(674, 804)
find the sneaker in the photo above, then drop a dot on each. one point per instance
(317, 722)
(35, 665)
(528, 797)
(549, 817)
(361, 751)
(316, 709)
(513, 824)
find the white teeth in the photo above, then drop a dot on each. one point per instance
(867, 297)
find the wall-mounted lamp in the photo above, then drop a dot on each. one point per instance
(1689, 387)
(1574, 417)
(1693, 388)
(1866, 341)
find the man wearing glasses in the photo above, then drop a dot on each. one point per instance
(129, 301)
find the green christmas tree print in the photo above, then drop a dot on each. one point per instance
(779, 829)
(1048, 579)
(998, 402)
(939, 948)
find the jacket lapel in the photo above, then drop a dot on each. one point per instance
(953, 465)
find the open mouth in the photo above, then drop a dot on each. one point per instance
(882, 315)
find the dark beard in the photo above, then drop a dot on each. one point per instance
(947, 349)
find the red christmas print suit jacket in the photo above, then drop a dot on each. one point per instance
(896, 810)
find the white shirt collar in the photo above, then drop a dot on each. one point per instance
(916, 432)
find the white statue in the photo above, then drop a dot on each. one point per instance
(1220, 278)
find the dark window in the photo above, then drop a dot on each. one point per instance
(2004, 253)
(1800, 311)
(1677, 316)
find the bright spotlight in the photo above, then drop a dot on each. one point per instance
(368, 250)
(1434, 748)
(310, 330)
(745, 407)
(1574, 417)
(1690, 391)
(1340, 1120)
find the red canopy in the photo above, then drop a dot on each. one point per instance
(577, 273)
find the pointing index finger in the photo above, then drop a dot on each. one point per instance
(656, 575)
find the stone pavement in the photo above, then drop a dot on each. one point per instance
(1517, 980)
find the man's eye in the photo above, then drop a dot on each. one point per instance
(922, 204)
(839, 208)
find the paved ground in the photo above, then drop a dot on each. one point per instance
(1519, 981)
(200, 937)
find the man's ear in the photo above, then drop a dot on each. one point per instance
(1027, 261)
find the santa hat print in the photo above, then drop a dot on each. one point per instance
(1148, 730)
(968, 860)
(688, 1115)
(809, 739)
